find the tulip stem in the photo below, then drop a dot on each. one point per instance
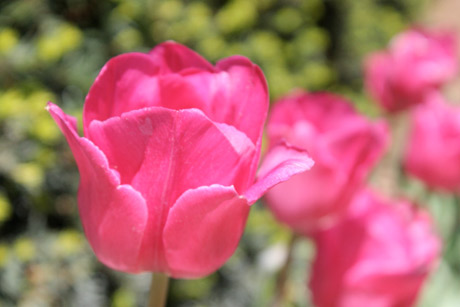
(158, 290)
(283, 275)
(389, 173)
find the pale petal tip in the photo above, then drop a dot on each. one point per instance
(49, 106)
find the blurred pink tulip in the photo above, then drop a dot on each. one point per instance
(169, 157)
(379, 255)
(433, 150)
(416, 63)
(344, 145)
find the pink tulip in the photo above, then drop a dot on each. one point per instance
(169, 157)
(344, 145)
(416, 63)
(433, 151)
(379, 255)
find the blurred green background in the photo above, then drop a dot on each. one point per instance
(53, 50)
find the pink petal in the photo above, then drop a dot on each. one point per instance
(185, 149)
(234, 93)
(174, 57)
(134, 81)
(301, 202)
(321, 109)
(162, 153)
(246, 97)
(126, 82)
(358, 146)
(114, 216)
(203, 230)
(281, 163)
(377, 80)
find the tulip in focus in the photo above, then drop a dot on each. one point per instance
(416, 63)
(169, 157)
(433, 151)
(344, 145)
(379, 255)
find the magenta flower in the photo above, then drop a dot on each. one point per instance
(344, 145)
(433, 150)
(378, 255)
(169, 157)
(416, 63)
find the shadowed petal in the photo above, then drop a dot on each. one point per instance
(203, 230)
(162, 153)
(114, 216)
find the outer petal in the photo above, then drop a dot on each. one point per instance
(174, 57)
(114, 216)
(162, 153)
(246, 95)
(234, 92)
(134, 81)
(173, 76)
(416, 63)
(433, 149)
(302, 202)
(342, 161)
(203, 230)
(280, 164)
(324, 111)
(185, 149)
(386, 249)
(358, 146)
(378, 80)
(126, 82)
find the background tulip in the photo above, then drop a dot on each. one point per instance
(378, 255)
(433, 150)
(344, 145)
(169, 157)
(416, 63)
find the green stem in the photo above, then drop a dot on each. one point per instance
(158, 290)
(451, 245)
(388, 173)
(283, 275)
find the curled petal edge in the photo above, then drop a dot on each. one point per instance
(280, 163)
(114, 216)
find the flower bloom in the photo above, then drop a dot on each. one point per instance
(416, 63)
(168, 159)
(433, 151)
(379, 255)
(344, 145)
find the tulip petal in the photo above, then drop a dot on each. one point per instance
(203, 230)
(358, 146)
(174, 57)
(281, 163)
(134, 81)
(114, 216)
(185, 149)
(246, 97)
(162, 153)
(175, 77)
(126, 82)
(235, 92)
(322, 110)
